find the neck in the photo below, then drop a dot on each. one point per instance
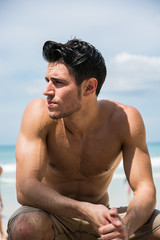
(84, 120)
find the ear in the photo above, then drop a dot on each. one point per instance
(90, 86)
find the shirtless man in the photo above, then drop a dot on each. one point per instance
(67, 151)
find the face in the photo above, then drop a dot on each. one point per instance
(63, 95)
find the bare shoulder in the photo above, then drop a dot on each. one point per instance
(36, 116)
(37, 104)
(120, 111)
(134, 120)
(126, 119)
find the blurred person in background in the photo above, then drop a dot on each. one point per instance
(1, 207)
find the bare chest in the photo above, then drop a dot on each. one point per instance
(75, 157)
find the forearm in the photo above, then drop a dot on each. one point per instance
(37, 194)
(140, 209)
(41, 196)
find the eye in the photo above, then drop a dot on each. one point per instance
(47, 80)
(58, 83)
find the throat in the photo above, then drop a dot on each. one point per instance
(85, 120)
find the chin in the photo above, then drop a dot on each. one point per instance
(54, 116)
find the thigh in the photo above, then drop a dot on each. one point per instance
(72, 228)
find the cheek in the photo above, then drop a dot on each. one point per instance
(68, 95)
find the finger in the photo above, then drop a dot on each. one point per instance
(115, 219)
(110, 232)
(113, 211)
(106, 229)
(116, 222)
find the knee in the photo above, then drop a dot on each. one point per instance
(22, 228)
(31, 226)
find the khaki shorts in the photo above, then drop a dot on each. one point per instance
(76, 229)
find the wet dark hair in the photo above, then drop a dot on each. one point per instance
(82, 59)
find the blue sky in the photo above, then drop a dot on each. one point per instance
(126, 32)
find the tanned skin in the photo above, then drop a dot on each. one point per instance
(68, 148)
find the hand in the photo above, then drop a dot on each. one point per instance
(100, 216)
(115, 229)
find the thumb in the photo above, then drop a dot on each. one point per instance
(115, 219)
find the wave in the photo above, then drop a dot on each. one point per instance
(8, 180)
(9, 167)
(155, 161)
(122, 176)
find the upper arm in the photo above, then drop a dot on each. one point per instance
(31, 149)
(137, 164)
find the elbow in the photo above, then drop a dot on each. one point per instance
(147, 193)
(26, 192)
(20, 197)
(152, 197)
(22, 194)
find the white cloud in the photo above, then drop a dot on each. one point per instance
(130, 72)
(24, 23)
(112, 26)
(126, 57)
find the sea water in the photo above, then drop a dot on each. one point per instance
(117, 189)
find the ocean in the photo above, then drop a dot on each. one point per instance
(117, 190)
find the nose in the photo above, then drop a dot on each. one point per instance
(49, 90)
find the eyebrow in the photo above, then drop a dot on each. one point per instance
(55, 79)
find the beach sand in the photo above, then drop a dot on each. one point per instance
(8, 192)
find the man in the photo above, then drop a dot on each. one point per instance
(67, 151)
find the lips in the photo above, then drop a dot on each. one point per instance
(51, 104)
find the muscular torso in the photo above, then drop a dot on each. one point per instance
(81, 167)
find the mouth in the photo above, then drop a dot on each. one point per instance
(51, 104)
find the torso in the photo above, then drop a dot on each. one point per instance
(82, 167)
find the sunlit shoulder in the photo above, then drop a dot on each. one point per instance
(36, 114)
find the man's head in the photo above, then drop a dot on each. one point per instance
(82, 59)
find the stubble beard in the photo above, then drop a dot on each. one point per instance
(75, 108)
(65, 114)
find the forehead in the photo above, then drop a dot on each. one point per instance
(58, 69)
